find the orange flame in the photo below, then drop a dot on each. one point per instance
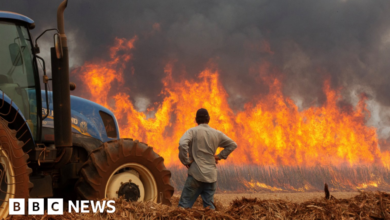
(99, 77)
(269, 131)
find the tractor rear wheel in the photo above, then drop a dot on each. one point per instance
(14, 172)
(125, 168)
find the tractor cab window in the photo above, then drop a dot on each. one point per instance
(17, 70)
(109, 124)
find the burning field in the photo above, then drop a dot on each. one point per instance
(280, 146)
(270, 130)
(303, 89)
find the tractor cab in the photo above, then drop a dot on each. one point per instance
(18, 72)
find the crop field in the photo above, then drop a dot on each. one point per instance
(284, 179)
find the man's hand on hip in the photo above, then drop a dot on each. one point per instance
(216, 159)
(188, 165)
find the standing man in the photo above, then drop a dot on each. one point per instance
(197, 149)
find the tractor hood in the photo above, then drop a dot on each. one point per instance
(88, 118)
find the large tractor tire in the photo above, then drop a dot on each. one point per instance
(125, 168)
(14, 172)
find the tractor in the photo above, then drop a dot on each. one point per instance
(53, 144)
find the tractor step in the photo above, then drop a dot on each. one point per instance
(44, 154)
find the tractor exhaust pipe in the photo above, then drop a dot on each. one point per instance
(61, 91)
(60, 22)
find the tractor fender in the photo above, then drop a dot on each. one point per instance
(17, 121)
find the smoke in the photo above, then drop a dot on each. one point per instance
(303, 43)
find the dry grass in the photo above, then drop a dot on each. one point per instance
(365, 205)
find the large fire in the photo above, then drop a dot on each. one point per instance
(270, 130)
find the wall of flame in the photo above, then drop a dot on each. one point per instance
(270, 130)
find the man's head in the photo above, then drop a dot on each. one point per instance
(202, 116)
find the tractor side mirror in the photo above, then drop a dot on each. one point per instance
(16, 55)
(58, 46)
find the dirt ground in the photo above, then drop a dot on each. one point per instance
(227, 198)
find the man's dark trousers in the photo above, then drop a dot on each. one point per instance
(192, 190)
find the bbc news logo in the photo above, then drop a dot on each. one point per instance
(56, 206)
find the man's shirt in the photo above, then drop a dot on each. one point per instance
(198, 146)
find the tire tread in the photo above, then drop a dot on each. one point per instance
(96, 171)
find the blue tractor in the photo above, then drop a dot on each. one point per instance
(53, 144)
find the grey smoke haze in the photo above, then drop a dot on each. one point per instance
(347, 41)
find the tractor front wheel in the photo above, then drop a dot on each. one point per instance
(128, 169)
(14, 172)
